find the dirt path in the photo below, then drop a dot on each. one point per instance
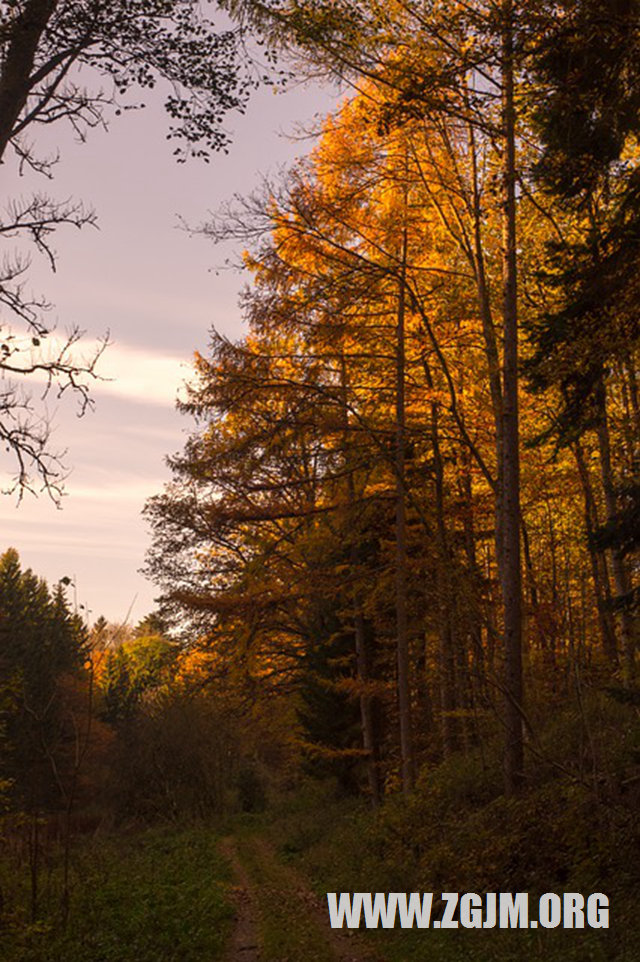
(243, 946)
(278, 918)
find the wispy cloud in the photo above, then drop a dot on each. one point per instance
(131, 492)
(75, 543)
(142, 376)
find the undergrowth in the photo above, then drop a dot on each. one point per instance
(574, 828)
(154, 896)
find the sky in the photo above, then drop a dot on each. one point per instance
(156, 290)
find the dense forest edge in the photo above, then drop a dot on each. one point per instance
(395, 644)
(134, 787)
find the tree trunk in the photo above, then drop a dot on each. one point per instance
(363, 658)
(15, 74)
(511, 576)
(445, 602)
(369, 741)
(490, 344)
(599, 573)
(620, 575)
(474, 614)
(404, 692)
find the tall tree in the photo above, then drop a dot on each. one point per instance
(587, 64)
(450, 43)
(41, 642)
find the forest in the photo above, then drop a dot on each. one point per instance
(395, 643)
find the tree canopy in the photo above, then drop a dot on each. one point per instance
(370, 440)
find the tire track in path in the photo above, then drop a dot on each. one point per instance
(278, 917)
(243, 945)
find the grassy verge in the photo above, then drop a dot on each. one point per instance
(574, 829)
(286, 925)
(339, 848)
(157, 896)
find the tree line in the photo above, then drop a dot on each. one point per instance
(411, 499)
(100, 727)
(413, 491)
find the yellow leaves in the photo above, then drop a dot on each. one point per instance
(197, 665)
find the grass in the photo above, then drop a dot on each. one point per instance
(161, 895)
(156, 896)
(339, 849)
(457, 832)
(287, 926)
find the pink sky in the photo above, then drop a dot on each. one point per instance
(152, 286)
